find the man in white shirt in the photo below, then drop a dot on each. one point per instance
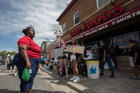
(9, 62)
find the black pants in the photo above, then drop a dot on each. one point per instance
(9, 66)
(3, 62)
(115, 62)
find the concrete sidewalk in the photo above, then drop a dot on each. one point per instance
(120, 84)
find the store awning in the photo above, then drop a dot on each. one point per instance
(124, 17)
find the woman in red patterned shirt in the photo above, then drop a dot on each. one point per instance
(30, 54)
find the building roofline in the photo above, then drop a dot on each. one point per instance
(70, 5)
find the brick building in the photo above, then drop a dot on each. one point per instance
(90, 21)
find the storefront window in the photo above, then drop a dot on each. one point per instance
(76, 17)
(64, 27)
(123, 40)
(100, 3)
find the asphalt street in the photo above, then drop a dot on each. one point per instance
(10, 84)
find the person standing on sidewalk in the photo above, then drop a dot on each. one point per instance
(105, 56)
(3, 60)
(9, 62)
(134, 59)
(74, 60)
(29, 57)
(115, 51)
(63, 60)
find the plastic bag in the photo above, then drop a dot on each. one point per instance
(73, 57)
(26, 75)
(106, 66)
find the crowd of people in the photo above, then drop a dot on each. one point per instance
(8, 61)
(29, 56)
(104, 53)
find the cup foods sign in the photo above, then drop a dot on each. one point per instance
(105, 16)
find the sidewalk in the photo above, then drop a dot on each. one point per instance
(120, 84)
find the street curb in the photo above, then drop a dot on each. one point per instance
(50, 73)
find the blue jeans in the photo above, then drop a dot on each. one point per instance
(25, 86)
(108, 60)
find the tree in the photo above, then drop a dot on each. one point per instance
(5, 53)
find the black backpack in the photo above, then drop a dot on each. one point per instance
(82, 68)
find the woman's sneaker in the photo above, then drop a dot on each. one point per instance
(73, 78)
(15, 74)
(77, 79)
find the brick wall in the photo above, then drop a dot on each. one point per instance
(85, 8)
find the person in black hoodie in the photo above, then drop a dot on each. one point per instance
(105, 56)
(115, 51)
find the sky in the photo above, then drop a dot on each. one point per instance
(16, 15)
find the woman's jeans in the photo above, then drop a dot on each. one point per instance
(109, 61)
(25, 86)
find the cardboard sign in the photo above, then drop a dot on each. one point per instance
(75, 49)
(58, 52)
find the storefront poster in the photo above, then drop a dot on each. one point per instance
(123, 40)
(88, 52)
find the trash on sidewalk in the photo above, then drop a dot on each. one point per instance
(55, 81)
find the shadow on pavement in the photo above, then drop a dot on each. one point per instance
(34, 91)
(105, 83)
(62, 82)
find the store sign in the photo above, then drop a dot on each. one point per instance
(57, 29)
(106, 15)
(126, 17)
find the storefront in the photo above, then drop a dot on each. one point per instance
(118, 29)
(118, 22)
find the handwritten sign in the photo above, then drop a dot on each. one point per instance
(58, 52)
(75, 49)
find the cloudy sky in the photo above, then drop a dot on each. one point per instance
(16, 15)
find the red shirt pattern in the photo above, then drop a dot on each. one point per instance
(34, 50)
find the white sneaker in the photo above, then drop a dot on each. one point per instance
(73, 78)
(15, 74)
(77, 79)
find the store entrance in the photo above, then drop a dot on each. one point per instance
(117, 36)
